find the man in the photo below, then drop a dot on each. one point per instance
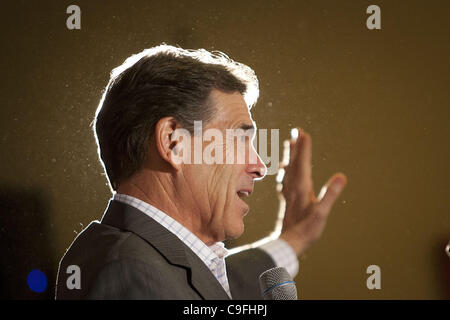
(161, 235)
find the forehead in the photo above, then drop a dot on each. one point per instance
(231, 109)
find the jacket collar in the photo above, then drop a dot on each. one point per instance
(126, 217)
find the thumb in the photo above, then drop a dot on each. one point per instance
(331, 191)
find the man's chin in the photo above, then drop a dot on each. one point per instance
(236, 231)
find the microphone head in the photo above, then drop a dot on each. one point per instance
(277, 284)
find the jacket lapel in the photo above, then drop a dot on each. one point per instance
(126, 217)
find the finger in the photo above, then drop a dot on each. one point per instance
(305, 154)
(280, 175)
(301, 161)
(330, 192)
(294, 134)
(292, 143)
(289, 148)
(286, 153)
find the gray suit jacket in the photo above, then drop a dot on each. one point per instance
(128, 255)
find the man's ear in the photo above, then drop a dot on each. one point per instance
(167, 140)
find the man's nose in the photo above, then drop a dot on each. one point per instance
(257, 170)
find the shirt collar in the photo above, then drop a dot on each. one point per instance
(206, 253)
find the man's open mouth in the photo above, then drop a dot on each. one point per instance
(243, 193)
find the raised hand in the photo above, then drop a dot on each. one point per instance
(305, 214)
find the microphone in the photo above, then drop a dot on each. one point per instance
(277, 284)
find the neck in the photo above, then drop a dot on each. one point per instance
(159, 190)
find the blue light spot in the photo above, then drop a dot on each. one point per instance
(37, 281)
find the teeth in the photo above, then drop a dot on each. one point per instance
(243, 193)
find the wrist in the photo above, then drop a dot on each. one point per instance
(296, 242)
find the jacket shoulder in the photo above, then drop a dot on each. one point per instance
(109, 260)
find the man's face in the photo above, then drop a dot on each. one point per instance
(218, 188)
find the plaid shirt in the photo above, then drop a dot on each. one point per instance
(213, 256)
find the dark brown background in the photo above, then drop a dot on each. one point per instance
(375, 102)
